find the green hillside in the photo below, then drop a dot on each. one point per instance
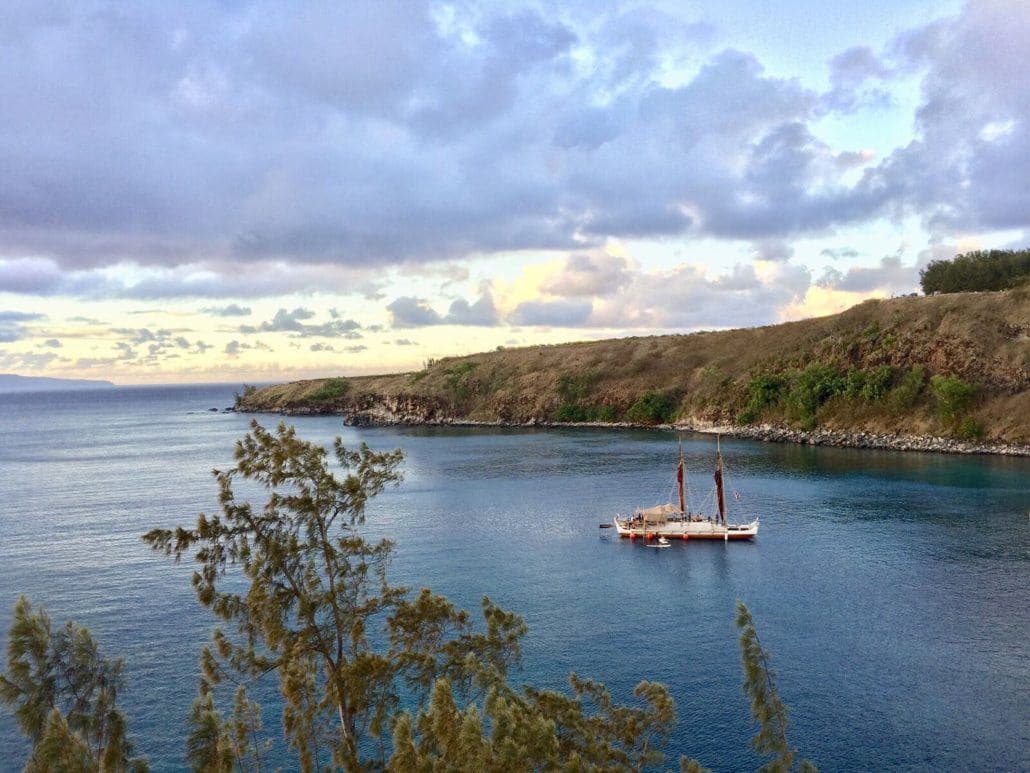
(956, 365)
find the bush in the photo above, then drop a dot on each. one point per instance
(953, 396)
(574, 388)
(877, 383)
(652, 408)
(331, 389)
(571, 412)
(975, 271)
(811, 388)
(765, 391)
(970, 429)
(909, 387)
(458, 382)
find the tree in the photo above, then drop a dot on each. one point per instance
(766, 706)
(64, 695)
(317, 610)
(977, 271)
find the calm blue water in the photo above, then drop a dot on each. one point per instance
(890, 588)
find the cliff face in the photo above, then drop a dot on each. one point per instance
(870, 369)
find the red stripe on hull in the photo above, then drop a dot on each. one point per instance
(731, 536)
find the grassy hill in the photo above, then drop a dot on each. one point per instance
(956, 365)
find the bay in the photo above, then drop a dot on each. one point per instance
(890, 588)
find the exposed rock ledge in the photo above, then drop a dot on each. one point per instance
(420, 413)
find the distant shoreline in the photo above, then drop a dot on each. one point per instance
(766, 432)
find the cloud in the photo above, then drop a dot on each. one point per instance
(232, 310)
(26, 360)
(523, 129)
(839, 253)
(293, 322)
(321, 347)
(11, 327)
(52, 343)
(965, 170)
(891, 275)
(129, 280)
(560, 313)
(412, 312)
(585, 275)
(772, 249)
(408, 311)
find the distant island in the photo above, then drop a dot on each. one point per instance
(948, 372)
(10, 382)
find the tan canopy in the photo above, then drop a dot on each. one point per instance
(659, 513)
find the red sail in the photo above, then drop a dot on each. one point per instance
(679, 480)
(718, 489)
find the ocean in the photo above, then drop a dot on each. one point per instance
(890, 588)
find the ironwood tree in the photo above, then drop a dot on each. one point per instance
(64, 696)
(316, 609)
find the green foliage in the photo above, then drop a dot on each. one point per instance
(952, 395)
(238, 398)
(765, 392)
(459, 382)
(766, 707)
(537, 730)
(331, 389)
(869, 384)
(810, 388)
(653, 408)
(970, 429)
(64, 695)
(573, 388)
(572, 412)
(908, 389)
(976, 271)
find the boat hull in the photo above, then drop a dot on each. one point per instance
(686, 530)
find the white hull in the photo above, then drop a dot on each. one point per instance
(685, 529)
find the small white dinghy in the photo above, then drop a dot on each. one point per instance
(661, 543)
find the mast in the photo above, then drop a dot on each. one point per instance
(718, 481)
(679, 481)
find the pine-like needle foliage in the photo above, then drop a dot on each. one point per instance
(766, 706)
(64, 696)
(315, 607)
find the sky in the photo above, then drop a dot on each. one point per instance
(258, 191)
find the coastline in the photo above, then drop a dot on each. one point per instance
(768, 433)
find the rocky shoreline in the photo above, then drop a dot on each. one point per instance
(371, 417)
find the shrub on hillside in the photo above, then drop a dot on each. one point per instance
(652, 408)
(331, 389)
(953, 396)
(765, 391)
(812, 387)
(909, 388)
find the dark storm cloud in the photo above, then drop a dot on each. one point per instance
(372, 132)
